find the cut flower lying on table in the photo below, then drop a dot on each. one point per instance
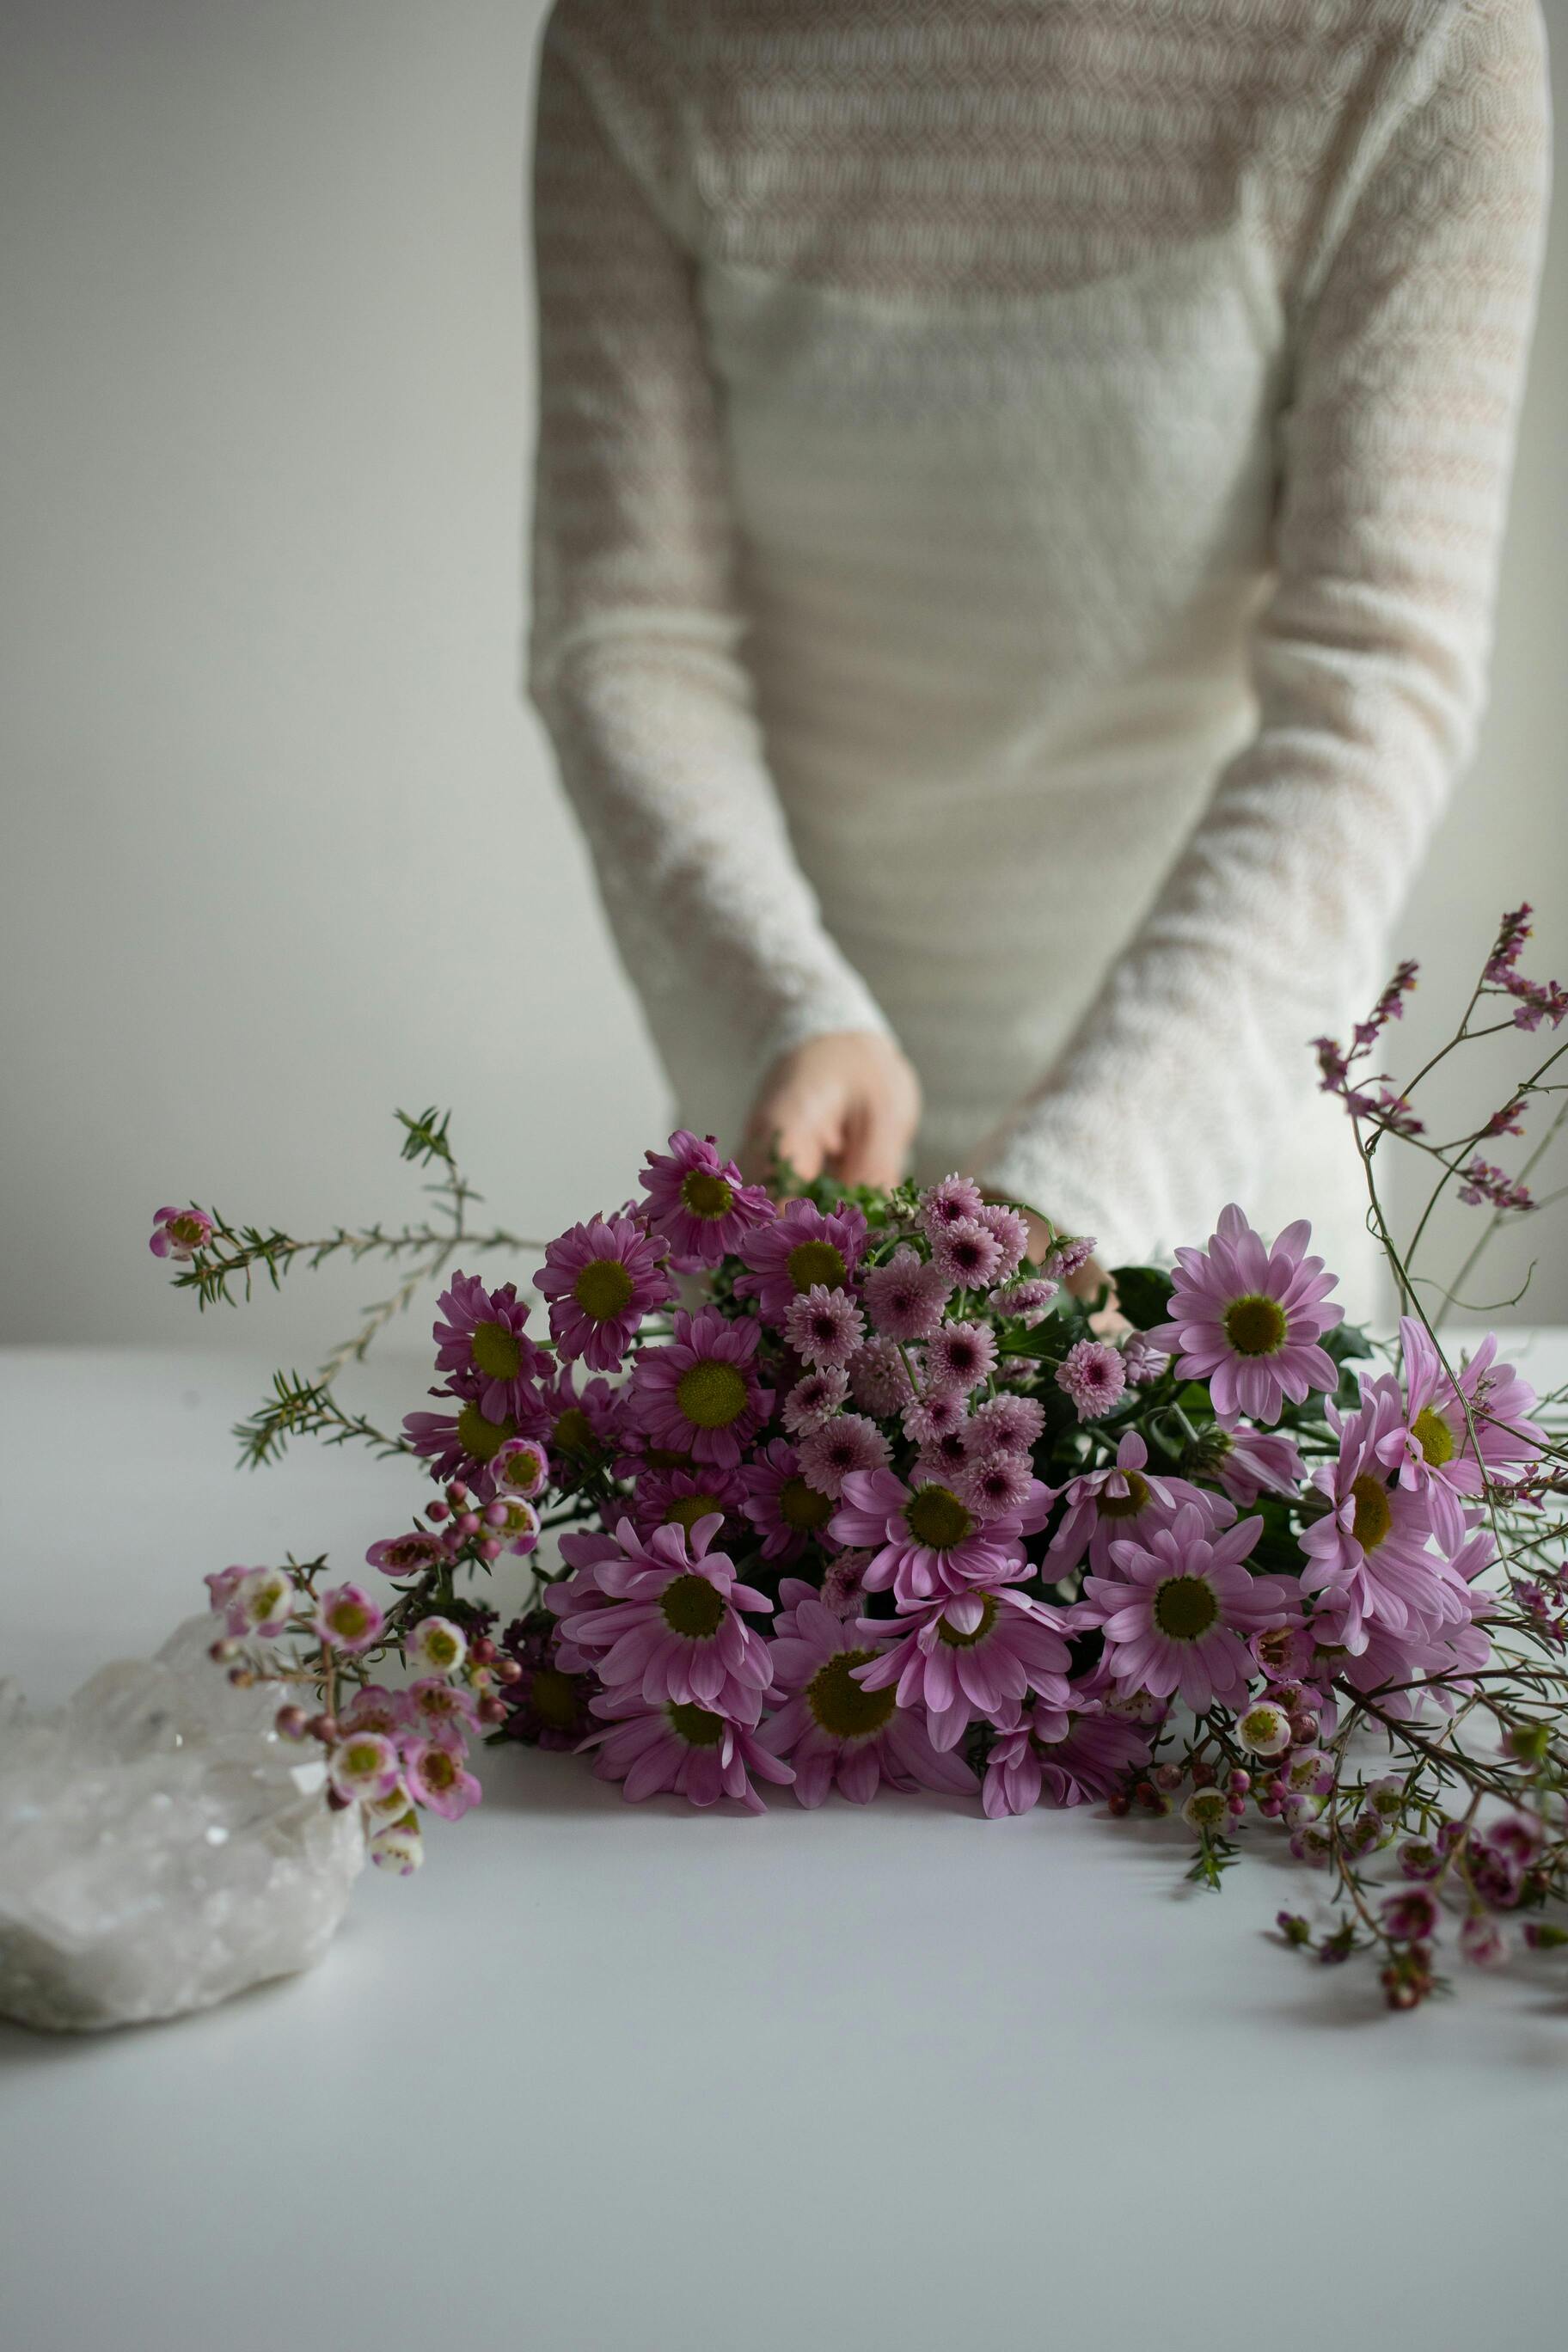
(823, 1494)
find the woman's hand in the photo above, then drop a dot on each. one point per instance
(848, 1103)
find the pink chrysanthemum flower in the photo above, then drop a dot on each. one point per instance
(844, 1583)
(1093, 1375)
(1370, 1565)
(522, 1466)
(1067, 1756)
(696, 1201)
(935, 1413)
(955, 1201)
(1065, 1258)
(1248, 1319)
(1011, 1232)
(995, 1486)
(905, 1298)
(682, 1750)
(699, 1394)
(409, 1554)
(879, 1378)
(678, 1498)
(925, 1542)
(835, 1732)
(1011, 1423)
(813, 1402)
(460, 1445)
(1432, 1451)
(825, 1327)
(1177, 1611)
(179, 1233)
(801, 1248)
(1124, 1501)
(785, 1511)
(1141, 1361)
(482, 1346)
(968, 1253)
(601, 1279)
(1027, 1302)
(365, 1767)
(578, 1426)
(970, 1653)
(672, 1628)
(945, 1460)
(842, 1446)
(1249, 1462)
(586, 1552)
(439, 1779)
(960, 1356)
(348, 1618)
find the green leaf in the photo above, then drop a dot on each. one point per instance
(1144, 1294)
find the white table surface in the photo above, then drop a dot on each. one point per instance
(607, 2078)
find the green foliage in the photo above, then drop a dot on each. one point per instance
(302, 1408)
(1144, 1294)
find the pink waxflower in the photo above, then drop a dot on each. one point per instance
(666, 1621)
(1177, 1610)
(905, 1298)
(437, 1778)
(813, 1400)
(437, 1709)
(847, 1444)
(961, 1356)
(601, 1279)
(398, 1847)
(1066, 1755)
(835, 1732)
(374, 1708)
(1248, 1319)
(409, 1554)
(969, 1254)
(520, 1466)
(179, 1233)
(925, 1541)
(1431, 1449)
(956, 1201)
(1370, 1564)
(1249, 1462)
(347, 1618)
(263, 1602)
(1027, 1302)
(512, 1521)
(1093, 1374)
(699, 1394)
(825, 1327)
(969, 1654)
(1123, 1501)
(879, 1378)
(1412, 1916)
(437, 1646)
(697, 1202)
(801, 1248)
(365, 1765)
(785, 1511)
(688, 1751)
(482, 1347)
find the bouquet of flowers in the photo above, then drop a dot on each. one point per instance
(843, 1491)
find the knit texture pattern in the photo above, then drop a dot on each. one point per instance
(1018, 495)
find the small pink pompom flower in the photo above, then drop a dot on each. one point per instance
(601, 1279)
(1094, 1376)
(1247, 1319)
(1012, 1424)
(365, 1765)
(832, 1731)
(439, 1779)
(905, 1298)
(955, 1201)
(879, 1378)
(697, 1202)
(801, 1248)
(995, 1486)
(847, 1443)
(1027, 1302)
(179, 1233)
(348, 1618)
(684, 1751)
(700, 1394)
(961, 1356)
(968, 1253)
(1177, 1611)
(1011, 1232)
(813, 1402)
(825, 1327)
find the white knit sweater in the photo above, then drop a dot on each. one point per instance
(1018, 497)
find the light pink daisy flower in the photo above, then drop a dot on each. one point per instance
(905, 1298)
(179, 1233)
(678, 1498)
(879, 1378)
(1027, 1302)
(409, 1554)
(460, 1445)
(835, 1732)
(801, 1248)
(585, 1551)
(439, 1779)
(700, 1394)
(684, 1751)
(1067, 1756)
(348, 1618)
(482, 1347)
(785, 1511)
(1370, 1565)
(365, 1767)
(1012, 1424)
(813, 1402)
(1251, 1462)
(522, 1466)
(967, 1654)
(925, 1542)
(672, 1627)
(1432, 1451)
(960, 1356)
(968, 1253)
(1248, 1319)
(1093, 1374)
(696, 1201)
(1122, 1501)
(578, 1426)
(1177, 1611)
(825, 1327)
(830, 1455)
(601, 1279)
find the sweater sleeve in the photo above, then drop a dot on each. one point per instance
(1369, 659)
(633, 655)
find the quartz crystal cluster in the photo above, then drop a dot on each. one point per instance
(161, 1847)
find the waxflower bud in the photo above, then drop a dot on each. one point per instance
(490, 1549)
(1293, 1927)
(1529, 1743)
(291, 1722)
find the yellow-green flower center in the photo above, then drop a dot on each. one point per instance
(350, 1620)
(802, 1508)
(552, 1696)
(690, 1509)
(1128, 1506)
(481, 1439)
(705, 1194)
(934, 1515)
(712, 1394)
(843, 1710)
(191, 1231)
(1185, 1607)
(495, 1351)
(957, 1641)
(604, 1289)
(362, 1758)
(1255, 1325)
(441, 1650)
(437, 1769)
(813, 1261)
(696, 1726)
(1434, 1436)
(1374, 1511)
(573, 1433)
(692, 1607)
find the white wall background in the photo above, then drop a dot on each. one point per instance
(283, 847)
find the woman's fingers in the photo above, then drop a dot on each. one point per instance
(848, 1103)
